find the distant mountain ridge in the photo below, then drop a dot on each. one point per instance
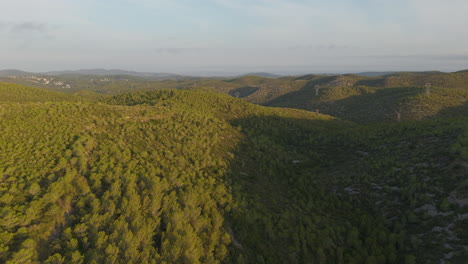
(374, 74)
(113, 72)
(13, 72)
(105, 72)
(166, 75)
(97, 72)
(261, 74)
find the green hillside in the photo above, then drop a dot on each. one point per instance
(448, 80)
(349, 96)
(177, 176)
(364, 104)
(22, 94)
(98, 84)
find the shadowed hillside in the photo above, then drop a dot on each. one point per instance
(364, 104)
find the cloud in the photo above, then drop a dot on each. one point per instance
(3, 25)
(330, 47)
(174, 51)
(26, 27)
(301, 47)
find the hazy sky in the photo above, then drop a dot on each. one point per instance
(234, 35)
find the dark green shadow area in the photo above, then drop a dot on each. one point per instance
(319, 192)
(357, 104)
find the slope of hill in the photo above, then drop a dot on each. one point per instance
(20, 94)
(302, 92)
(100, 84)
(256, 89)
(369, 104)
(407, 79)
(373, 74)
(89, 96)
(349, 96)
(12, 72)
(199, 177)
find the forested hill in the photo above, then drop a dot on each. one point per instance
(21, 94)
(364, 104)
(177, 176)
(358, 98)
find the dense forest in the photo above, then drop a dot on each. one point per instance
(196, 175)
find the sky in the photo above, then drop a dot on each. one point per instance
(234, 36)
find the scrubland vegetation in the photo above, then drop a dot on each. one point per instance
(192, 176)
